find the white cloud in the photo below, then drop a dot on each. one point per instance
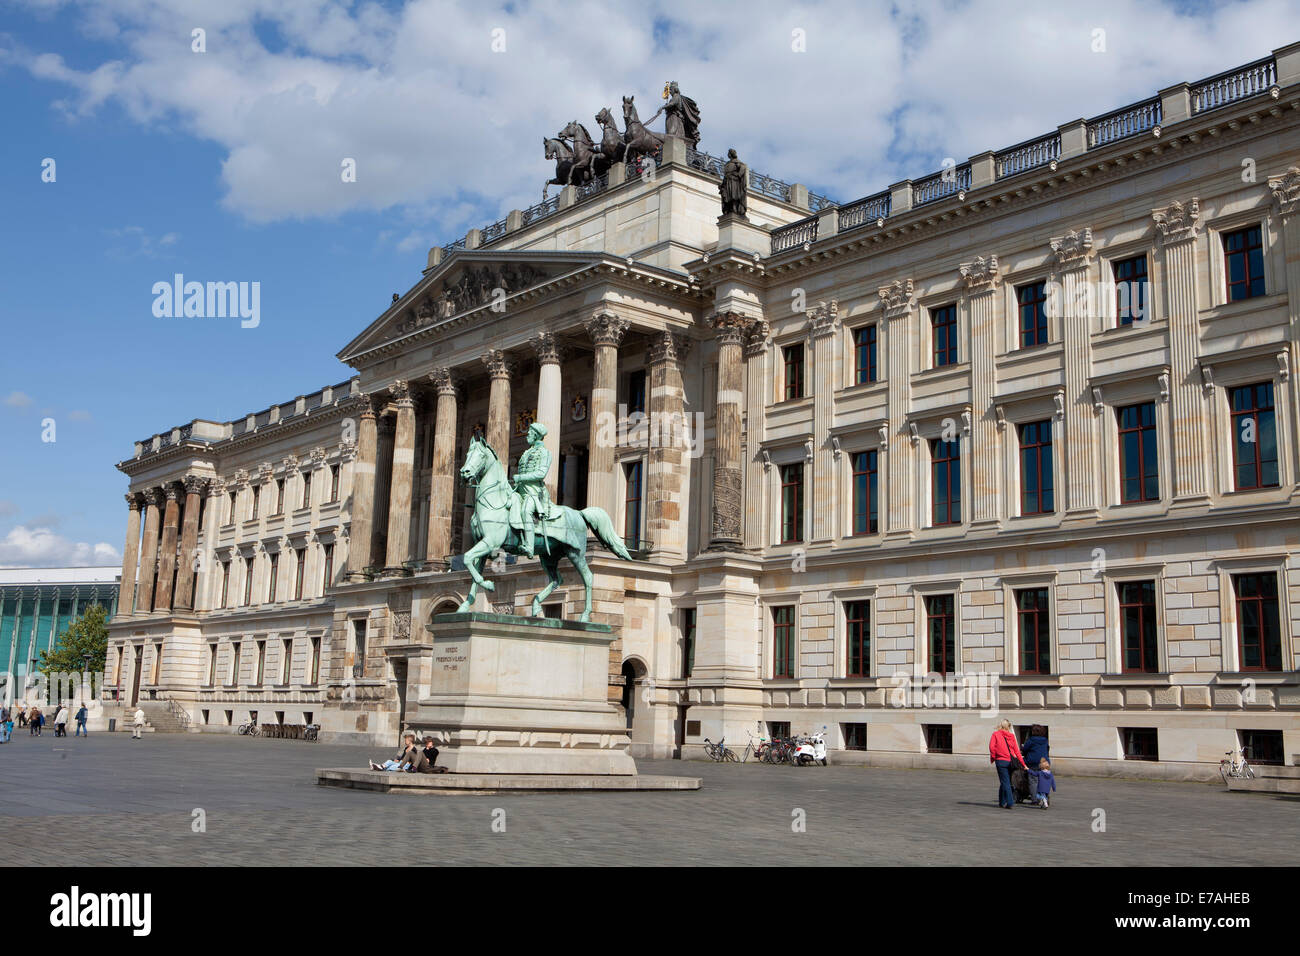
(7, 509)
(441, 126)
(39, 547)
(131, 241)
(18, 400)
(79, 415)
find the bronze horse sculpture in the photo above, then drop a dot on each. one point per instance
(561, 534)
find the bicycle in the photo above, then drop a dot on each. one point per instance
(1229, 767)
(756, 750)
(250, 729)
(719, 752)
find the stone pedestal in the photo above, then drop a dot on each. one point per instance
(519, 695)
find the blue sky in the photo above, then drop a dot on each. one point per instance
(223, 166)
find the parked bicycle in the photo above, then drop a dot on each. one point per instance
(758, 749)
(250, 729)
(719, 751)
(1230, 767)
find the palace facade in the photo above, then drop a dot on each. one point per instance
(1024, 426)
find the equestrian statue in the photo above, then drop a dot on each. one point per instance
(518, 518)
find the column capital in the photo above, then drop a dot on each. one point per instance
(445, 381)
(668, 346)
(134, 500)
(216, 488)
(981, 274)
(1286, 191)
(1178, 222)
(195, 484)
(368, 411)
(824, 319)
(760, 337)
(153, 496)
(400, 391)
(548, 348)
(605, 328)
(730, 328)
(172, 490)
(498, 363)
(1074, 249)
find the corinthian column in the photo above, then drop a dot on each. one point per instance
(442, 484)
(669, 432)
(361, 549)
(399, 493)
(606, 331)
(549, 355)
(153, 499)
(500, 368)
(824, 325)
(194, 488)
(1286, 203)
(162, 599)
(1073, 253)
(1178, 225)
(982, 308)
(130, 556)
(728, 503)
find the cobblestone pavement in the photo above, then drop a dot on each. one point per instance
(109, 800)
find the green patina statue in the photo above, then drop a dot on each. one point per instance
(521, 519)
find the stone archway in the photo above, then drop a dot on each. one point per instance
(636, 707)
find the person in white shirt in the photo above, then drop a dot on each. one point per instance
(61, 721)
(138, 727)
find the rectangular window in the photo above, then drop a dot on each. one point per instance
(783, 641)
(275, 571)
(1243, 262)
(1262, 746)
(279, 496)
(864, 355)
(230, 508)
(299, 568)
(866, 500)
(1036, 483)
(286, 661)
(234, 663)
(1137, 623)
(938, 738)
(306, 489)
(1254, 436)
(1132, 295)
(636, 391)
(315, 661)
(334, 482)
(1259, 633)
(632, 505)
(1032, 302)
(945, 490)
(212, 665)
(225, 584)
(247, 596)
(1139, 465)
(261, 663)
(257, 498)
(943, 325)
(791, 503)
(857, 633)
(793, 356)
(855, 736)
(358, 649)
(1140, 743)
(778, 728)
(328, 578)
(688, 641)
(1035, 630)
(940, 633)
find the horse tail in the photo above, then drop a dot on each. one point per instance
(599, 522)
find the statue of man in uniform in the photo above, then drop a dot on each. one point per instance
(531, 500)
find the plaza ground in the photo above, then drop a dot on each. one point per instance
(109, 800)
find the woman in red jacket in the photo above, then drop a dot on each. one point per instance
(1004, 753)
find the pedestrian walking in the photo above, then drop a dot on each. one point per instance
(34, 720)
(22, 714)
(6, 725)
(61, 721)
(1004, 753)
(137, 726)
(82, 714)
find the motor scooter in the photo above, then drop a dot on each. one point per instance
(811, 750)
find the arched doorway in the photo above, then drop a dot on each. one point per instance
(629, 691)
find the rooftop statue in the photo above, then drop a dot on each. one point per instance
(519, 518)
(734, 186)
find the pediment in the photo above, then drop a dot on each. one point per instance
(465, 283)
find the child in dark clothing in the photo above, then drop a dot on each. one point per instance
(1045, 782)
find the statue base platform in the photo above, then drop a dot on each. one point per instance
(348, 778)
(521, 695)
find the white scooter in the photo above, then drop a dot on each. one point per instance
(811, 750)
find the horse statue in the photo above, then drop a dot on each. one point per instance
(584, 152)
(612, 148)
(640, 141)
(562, 533)
(559, 151)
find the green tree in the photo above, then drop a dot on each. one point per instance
(88, 634)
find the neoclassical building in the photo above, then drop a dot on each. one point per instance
(1015, 438)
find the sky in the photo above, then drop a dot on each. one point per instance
(134, 149)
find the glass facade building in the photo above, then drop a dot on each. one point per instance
(38, 604)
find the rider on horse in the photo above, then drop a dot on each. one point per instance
(531, 500)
